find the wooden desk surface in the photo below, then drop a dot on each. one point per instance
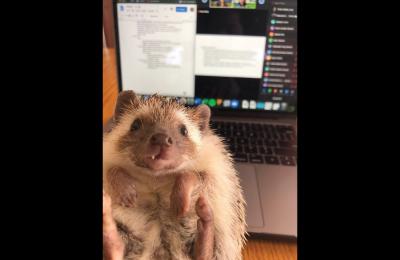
(255, 248)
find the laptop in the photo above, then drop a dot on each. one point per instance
(240, 58)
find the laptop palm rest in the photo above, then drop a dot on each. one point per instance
(248, 178)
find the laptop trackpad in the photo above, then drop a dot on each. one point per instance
(248, 180)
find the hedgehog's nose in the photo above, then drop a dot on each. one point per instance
(161, 139)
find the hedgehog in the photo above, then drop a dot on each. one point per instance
(175, 193)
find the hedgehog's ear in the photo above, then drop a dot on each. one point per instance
(126, 99)
(203, 113)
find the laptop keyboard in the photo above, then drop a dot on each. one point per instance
(259, 143)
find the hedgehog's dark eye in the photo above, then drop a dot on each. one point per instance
(136, 125)
(184, 131)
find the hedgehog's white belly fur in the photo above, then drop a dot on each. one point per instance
(222, 190)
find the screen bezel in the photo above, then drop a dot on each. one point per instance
(216, 111)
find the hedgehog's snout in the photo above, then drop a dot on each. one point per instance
(161, 139)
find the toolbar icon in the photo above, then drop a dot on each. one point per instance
(197, 101)
(268, 106)
(284, 106)
(227, 103)
(190, 101)
(245, 104)
(182, 101)
(275, 106)
(235, 103)
(212, 102)
(260, 105)
(252, 104)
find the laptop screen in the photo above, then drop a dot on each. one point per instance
(228, 54)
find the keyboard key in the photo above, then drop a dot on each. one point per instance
(274, 136)
(281, 128)
(285, 128)
(288, 161)
(256, 127)
(260, 142)
(239, 149)
(271, 128)
(253, 141)
(290, 129)
(271, 160)
(282, 137)
(250, 149)
(242, 140)
(260, 135)
(252, 134)
(232, 126)
(256, 159)
(237, 133)
(286, 152)
(265, 127)
(246, 127)
(264, 150)
(270, 143)
(290, 137)
(240, 157)
(286, 144)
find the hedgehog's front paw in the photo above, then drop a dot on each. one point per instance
(181, 193)
(179, 202)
